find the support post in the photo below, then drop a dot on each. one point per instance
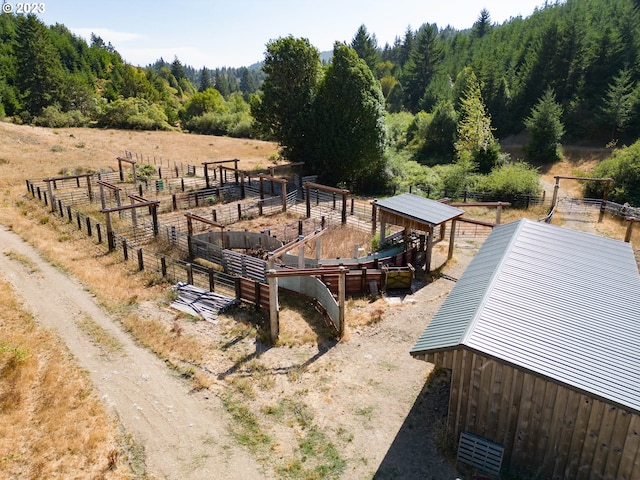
(50, 189)
(556, 187)
(283, 189)
(452, 239)
(342, 287)
(301, 253)
(605, 196)
(374, 212)
(273, 306)
(627, 235)
(344, 208)
(429, 250)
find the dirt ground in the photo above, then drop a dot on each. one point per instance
(355, 409)
(364, 400)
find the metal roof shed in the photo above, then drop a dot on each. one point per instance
(418, 213)
(542, 335)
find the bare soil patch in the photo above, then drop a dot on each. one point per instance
(213, 397)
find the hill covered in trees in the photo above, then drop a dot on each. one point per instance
(586, 51)
(568, 72)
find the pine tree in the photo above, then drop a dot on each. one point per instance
(421, 68)
(221, 83)
(619, 102)
(205, 80)
(482, 25)
(546, 129)
(39, 71)
(475, 134)
(366, 46)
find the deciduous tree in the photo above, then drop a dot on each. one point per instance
(293, 70)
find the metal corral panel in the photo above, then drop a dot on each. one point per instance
(420, 209)
(560, 303)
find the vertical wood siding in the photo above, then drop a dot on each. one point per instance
(548, 430)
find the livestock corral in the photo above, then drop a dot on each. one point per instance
(246, 235)
(225, 236)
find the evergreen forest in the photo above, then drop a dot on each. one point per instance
(430, 109)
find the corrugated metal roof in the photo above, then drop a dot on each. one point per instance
(560, 303)
(419, 208)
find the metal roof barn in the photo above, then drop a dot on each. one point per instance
(552, 316)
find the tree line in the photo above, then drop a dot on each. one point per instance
(50, 77)
(430, 109)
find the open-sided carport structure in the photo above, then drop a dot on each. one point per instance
(413, 212)
(542, 338)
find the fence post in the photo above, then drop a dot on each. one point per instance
(163, 266)
(60, 208)
(79, 221)
(273, 306)
(99, 232)
(125, 250)
(211, 280)
(342, 287)
(89, 226)
(257, 294)
(239, 212)
(189, 274)
(140, 260)
(237, 283)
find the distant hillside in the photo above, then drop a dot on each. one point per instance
(586, 51)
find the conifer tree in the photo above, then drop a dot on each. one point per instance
(39, 71)
(475, 134)
(205, 80)
(366, 46)
(546, 129)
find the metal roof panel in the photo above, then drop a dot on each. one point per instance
(419, 208)
(561, 303)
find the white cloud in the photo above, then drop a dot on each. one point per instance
(107, 35)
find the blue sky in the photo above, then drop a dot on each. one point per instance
(233, 33)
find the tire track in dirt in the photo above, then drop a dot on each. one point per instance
(184, 434)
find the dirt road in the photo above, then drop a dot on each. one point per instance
(184, 435)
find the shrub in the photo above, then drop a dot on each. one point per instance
(624, 168)
(133, 113)
(517, 178)
(52, 117)
(234, 124)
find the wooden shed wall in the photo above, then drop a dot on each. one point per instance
(548, 430)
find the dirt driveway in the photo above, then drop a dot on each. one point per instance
(184, 435)
(372, 388)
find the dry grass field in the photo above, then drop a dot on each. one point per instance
(308, 408)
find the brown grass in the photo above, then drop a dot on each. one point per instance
(72, 433)
(52, 424)
(339, 242)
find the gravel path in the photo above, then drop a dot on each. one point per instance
(184, 435)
